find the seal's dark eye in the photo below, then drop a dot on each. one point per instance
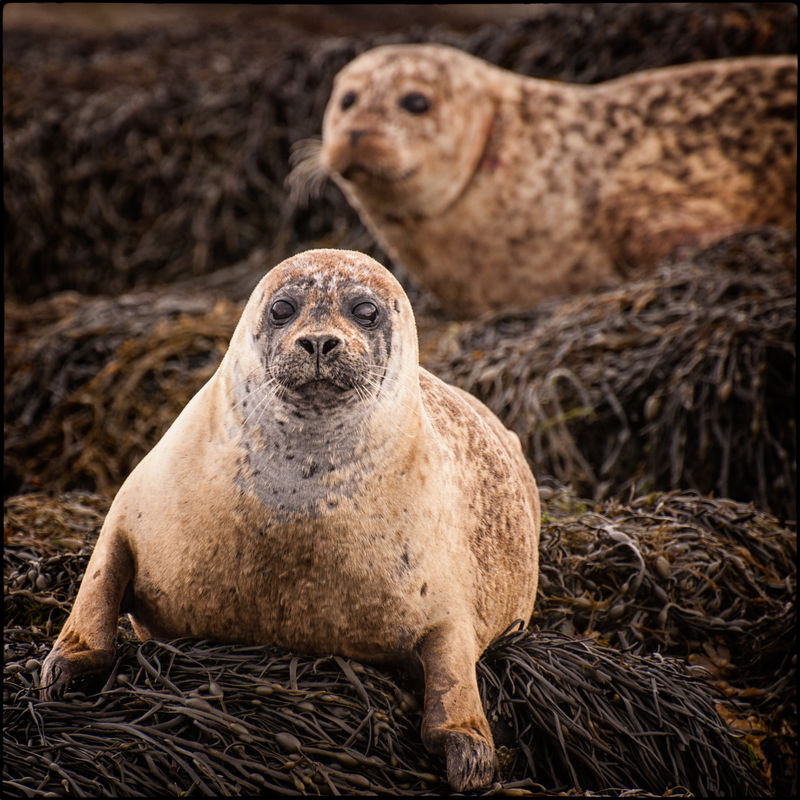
(348, 98)
(415, 102)
(366, 313)
(281, 312)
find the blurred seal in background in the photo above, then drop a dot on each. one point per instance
(497, 190)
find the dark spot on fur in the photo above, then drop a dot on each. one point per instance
(423, 590)
(787, 112)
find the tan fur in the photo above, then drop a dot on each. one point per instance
(509, 188)
(325, 493)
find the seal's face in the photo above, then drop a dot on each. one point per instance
(405, 128)
(327, 329)
(325, 340)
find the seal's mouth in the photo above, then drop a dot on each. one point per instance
(321, 390)
(357, 172)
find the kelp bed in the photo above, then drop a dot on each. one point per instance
(684, 378)
(582, 704)
(710, 581)
(137, 159)
(92, 383)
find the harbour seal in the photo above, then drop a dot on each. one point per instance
(325, 493)
(496, 189)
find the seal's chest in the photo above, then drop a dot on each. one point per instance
(305, 588)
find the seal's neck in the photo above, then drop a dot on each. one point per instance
(296, 456)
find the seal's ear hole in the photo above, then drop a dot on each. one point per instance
(348, 98)
(415, 103)
(365, 313)
(281, 312)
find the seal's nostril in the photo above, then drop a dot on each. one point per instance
(318, 345)
(307, 345)
(328, 345)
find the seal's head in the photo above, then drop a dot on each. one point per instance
(405, 127)
(327, 330)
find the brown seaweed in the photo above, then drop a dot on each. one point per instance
(93, 383)
(683, 378)
(189, 717)
(599, 644)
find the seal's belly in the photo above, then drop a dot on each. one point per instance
(351, 601)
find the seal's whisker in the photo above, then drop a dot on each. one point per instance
(261, 403)
(256, 376)
(397, 426)
(307, 176)
(251, 397)
(384, 381)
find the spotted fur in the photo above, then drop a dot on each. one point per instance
(509, 189)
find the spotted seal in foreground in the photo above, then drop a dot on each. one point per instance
(497, 190)
(325, 493)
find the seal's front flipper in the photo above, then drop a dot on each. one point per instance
(70, 659)
(454, 723)
(86, 642)
(470, 761)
